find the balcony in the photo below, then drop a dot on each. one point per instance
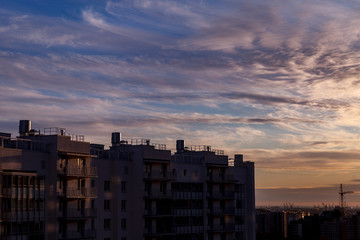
(221, 195)
(221, 178)
(78, 193)
(18, 216)
(188, 212)
(78, 172)
(78, 213)
(18, 192)
(87, 234)
(222, 211)
(159, 212)
(188, 229)
(188, 195)
(164, 232)
(230, 227)
(23, 235)
(157, 194)
(158, 175)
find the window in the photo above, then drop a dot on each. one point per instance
(147, 186)
(107, 224)
(147, 167)
(222, 220)
(123, 186)
(238, 204)
(43, 164)
(185, 171)
(107, 186)
(163, 187)
(126, 170)
(239, 220)
(123, 205)
(123, 223)
(148, 224)
(106, 204)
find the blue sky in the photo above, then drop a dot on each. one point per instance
(275, 80)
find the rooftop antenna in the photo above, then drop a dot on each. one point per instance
(342, 193)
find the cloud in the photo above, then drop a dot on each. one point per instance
(305, 196)
(315, 160)
(276, 81)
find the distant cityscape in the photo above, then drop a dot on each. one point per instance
(316, 223)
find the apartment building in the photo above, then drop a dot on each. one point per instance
(57, 186)
(197, 193)
(47, 186)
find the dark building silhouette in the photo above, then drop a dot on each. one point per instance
(57, 186)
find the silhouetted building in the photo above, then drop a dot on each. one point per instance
(194, 194)
(46, 186)
(270, 224)
(329, 225)
(55, 186)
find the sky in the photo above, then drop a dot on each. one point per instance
(277, 81)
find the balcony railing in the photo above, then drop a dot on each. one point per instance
(14, 215)
(222, 211)
(78, 213)
(15, 192)
(221, 195)
(188, 212)
(221, 178)
(157, 194)
(86, 234)
(164, 232)
(222, 228)
(188, 229)
(188, 195)
(158, 175)
(36, 234)
(78, 193)
(78, 172)
(159, 212)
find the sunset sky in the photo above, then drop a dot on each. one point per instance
(277, 81)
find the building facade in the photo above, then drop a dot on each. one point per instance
(56, 186)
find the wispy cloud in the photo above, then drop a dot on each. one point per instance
(277, 81)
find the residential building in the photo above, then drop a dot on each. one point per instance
(46, 185)
(196, 193)
(56, 186)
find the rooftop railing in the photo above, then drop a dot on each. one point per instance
(206, 148)
(62, 131)
(142, 141)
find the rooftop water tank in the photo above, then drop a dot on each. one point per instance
(24, 127)
(180, 145)
(115, 138)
